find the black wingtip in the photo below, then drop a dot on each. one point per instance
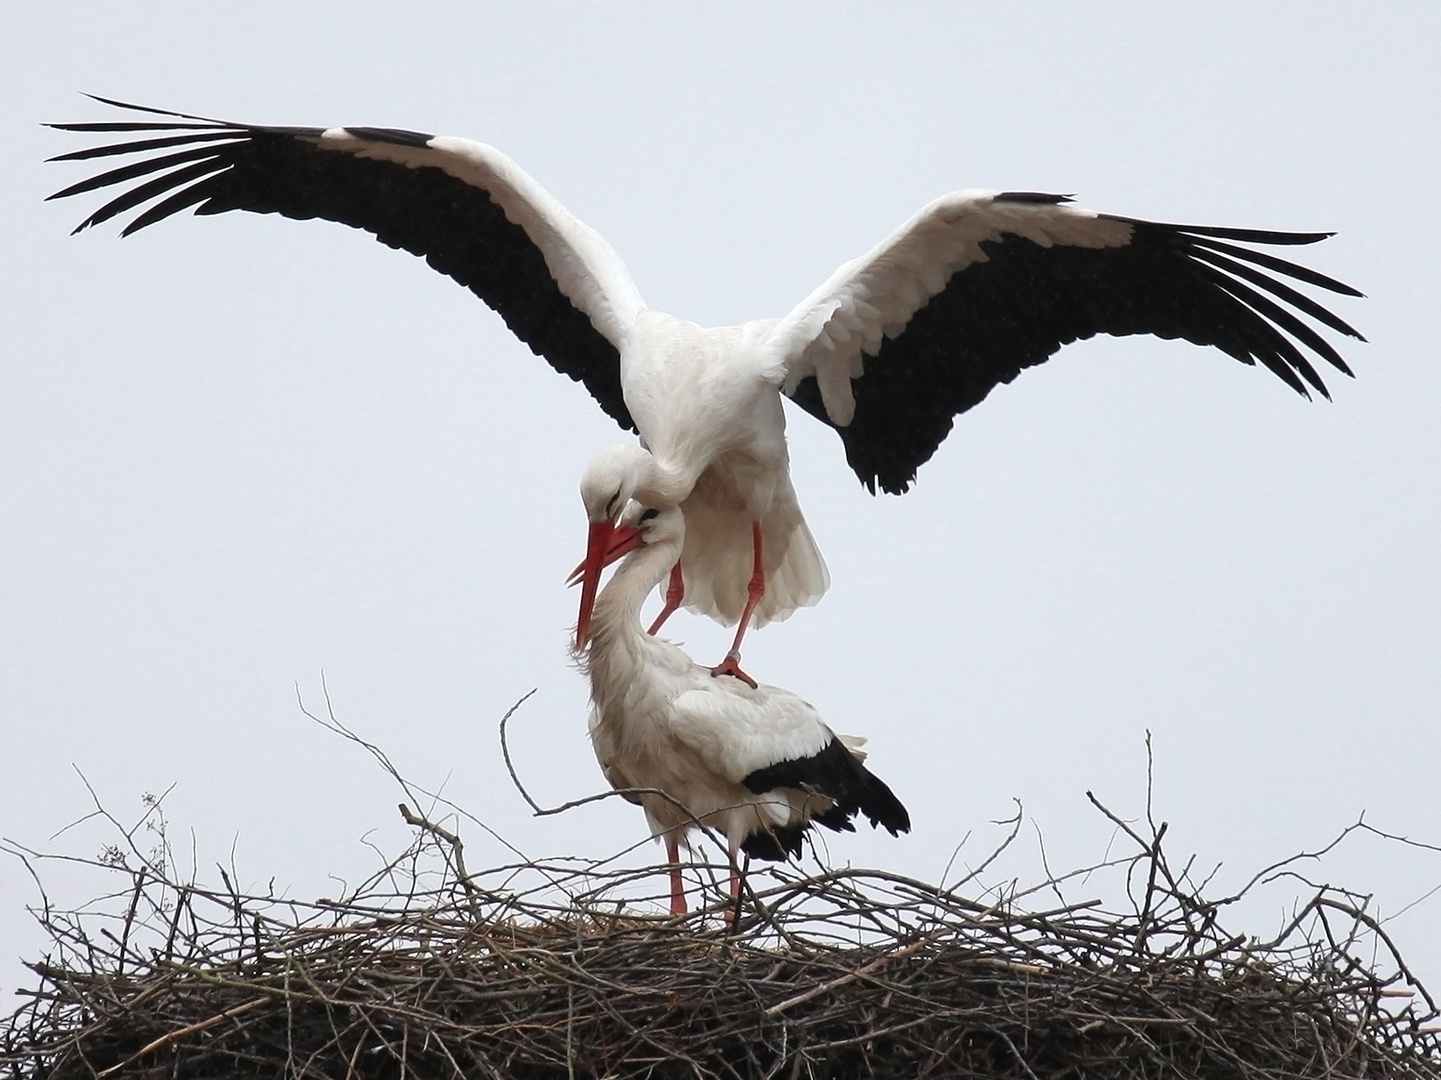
(112, 101)
(1041, 198)
(397, 136)
(1255, 236)
(147, 109)
(836, 773)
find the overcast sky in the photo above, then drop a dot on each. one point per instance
(239, 452)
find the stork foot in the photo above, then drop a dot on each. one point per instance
(731, 665)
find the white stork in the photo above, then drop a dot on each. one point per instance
(888, 351)
(754, 762)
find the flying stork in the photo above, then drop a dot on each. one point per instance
(756, 763)
(887, 351)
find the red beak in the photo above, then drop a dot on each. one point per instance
(608, 542)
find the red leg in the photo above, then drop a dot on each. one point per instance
(731, 665)
(674, 594)
(677, 889)
(735, 892)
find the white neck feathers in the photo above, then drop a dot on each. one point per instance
(619, 649)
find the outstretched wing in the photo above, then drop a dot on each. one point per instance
(980, 285)
(465, 207)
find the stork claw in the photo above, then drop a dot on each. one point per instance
(731, 665)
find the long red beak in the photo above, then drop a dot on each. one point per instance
(608, 542)
(624, 540)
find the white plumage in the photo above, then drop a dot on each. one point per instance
(976, 287)
(756, 764)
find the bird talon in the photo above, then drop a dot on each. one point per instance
(731, 666)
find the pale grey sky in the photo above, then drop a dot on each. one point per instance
(241, 451)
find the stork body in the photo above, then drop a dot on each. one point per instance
(755, 763)
(976, 287)
(712, 426)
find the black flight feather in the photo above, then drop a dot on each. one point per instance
(1016, 308)
(837, 774)
(456, 227)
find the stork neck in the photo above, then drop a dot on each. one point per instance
(665, 484)
(616, 620)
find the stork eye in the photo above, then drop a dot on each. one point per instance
(649, 515)
(610, 506)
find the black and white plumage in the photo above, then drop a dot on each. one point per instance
(755, 763)
(888, 351)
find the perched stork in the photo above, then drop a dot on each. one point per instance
(755, 763)
(888, 351)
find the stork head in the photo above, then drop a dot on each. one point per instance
(609, 483)
(613, 478)
(639, 526)
(652, 526)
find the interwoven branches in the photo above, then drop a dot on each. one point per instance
(556, 970)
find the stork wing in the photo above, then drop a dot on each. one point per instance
(980, 285)
(467, 208)
(769, 738)
(738, 731)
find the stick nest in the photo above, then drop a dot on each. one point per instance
(556, 970)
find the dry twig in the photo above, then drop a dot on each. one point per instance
(538, 970)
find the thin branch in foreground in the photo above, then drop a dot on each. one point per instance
(556, 968)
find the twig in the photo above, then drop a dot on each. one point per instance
(860, 973)
(175, 1036)
(457, 850)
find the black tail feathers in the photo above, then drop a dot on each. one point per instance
(835, 773)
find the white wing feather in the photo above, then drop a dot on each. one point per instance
(585, 267)
(830, 332)
(738, 730)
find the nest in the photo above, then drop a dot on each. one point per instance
(540, 970)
